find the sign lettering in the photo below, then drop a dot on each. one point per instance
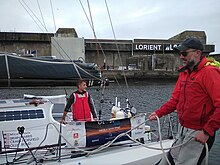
(154, 47)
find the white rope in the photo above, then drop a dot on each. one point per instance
(207, 154)
(161, 145)
(108, 144)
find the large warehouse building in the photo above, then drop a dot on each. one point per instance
(140, 54)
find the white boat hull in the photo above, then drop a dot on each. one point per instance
(41, 132)
(114, 155)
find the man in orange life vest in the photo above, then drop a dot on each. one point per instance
(82, 104)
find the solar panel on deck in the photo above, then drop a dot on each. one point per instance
(2, 116)
(17, 117)
(21, 101)
(2, 102)
(21, 115)
(32, 115)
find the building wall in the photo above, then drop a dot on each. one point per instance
(67, 48)
(201, 35)
(111, 59)
(146, 54)
(108, 53)
(25, 43)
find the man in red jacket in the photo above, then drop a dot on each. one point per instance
(81, 104)
(196, 97)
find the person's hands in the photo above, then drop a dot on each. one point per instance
(152, 116)
(201, 137)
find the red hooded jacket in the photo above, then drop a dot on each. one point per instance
(196, 97)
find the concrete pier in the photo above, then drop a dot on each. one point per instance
(140, 74)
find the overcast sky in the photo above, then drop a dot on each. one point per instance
(131, 19)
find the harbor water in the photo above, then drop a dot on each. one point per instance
(145, 96)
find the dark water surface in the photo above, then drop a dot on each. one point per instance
(144, 96)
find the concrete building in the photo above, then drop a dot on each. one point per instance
(38, 44)
(66, 45)
(145, 55)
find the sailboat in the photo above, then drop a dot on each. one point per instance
(30, 135)
(16, 70)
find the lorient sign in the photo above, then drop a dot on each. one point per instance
(154, 47)
(147, 47)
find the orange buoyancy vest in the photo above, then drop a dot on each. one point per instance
(81, 109)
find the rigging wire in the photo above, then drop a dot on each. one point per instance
(44, 26)
(92, 27)
(93, 30)
(59, 47)
(41, 14)
(116, 46)
(51, 6)
(29, 13)
(90, 21)
(34, 18)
